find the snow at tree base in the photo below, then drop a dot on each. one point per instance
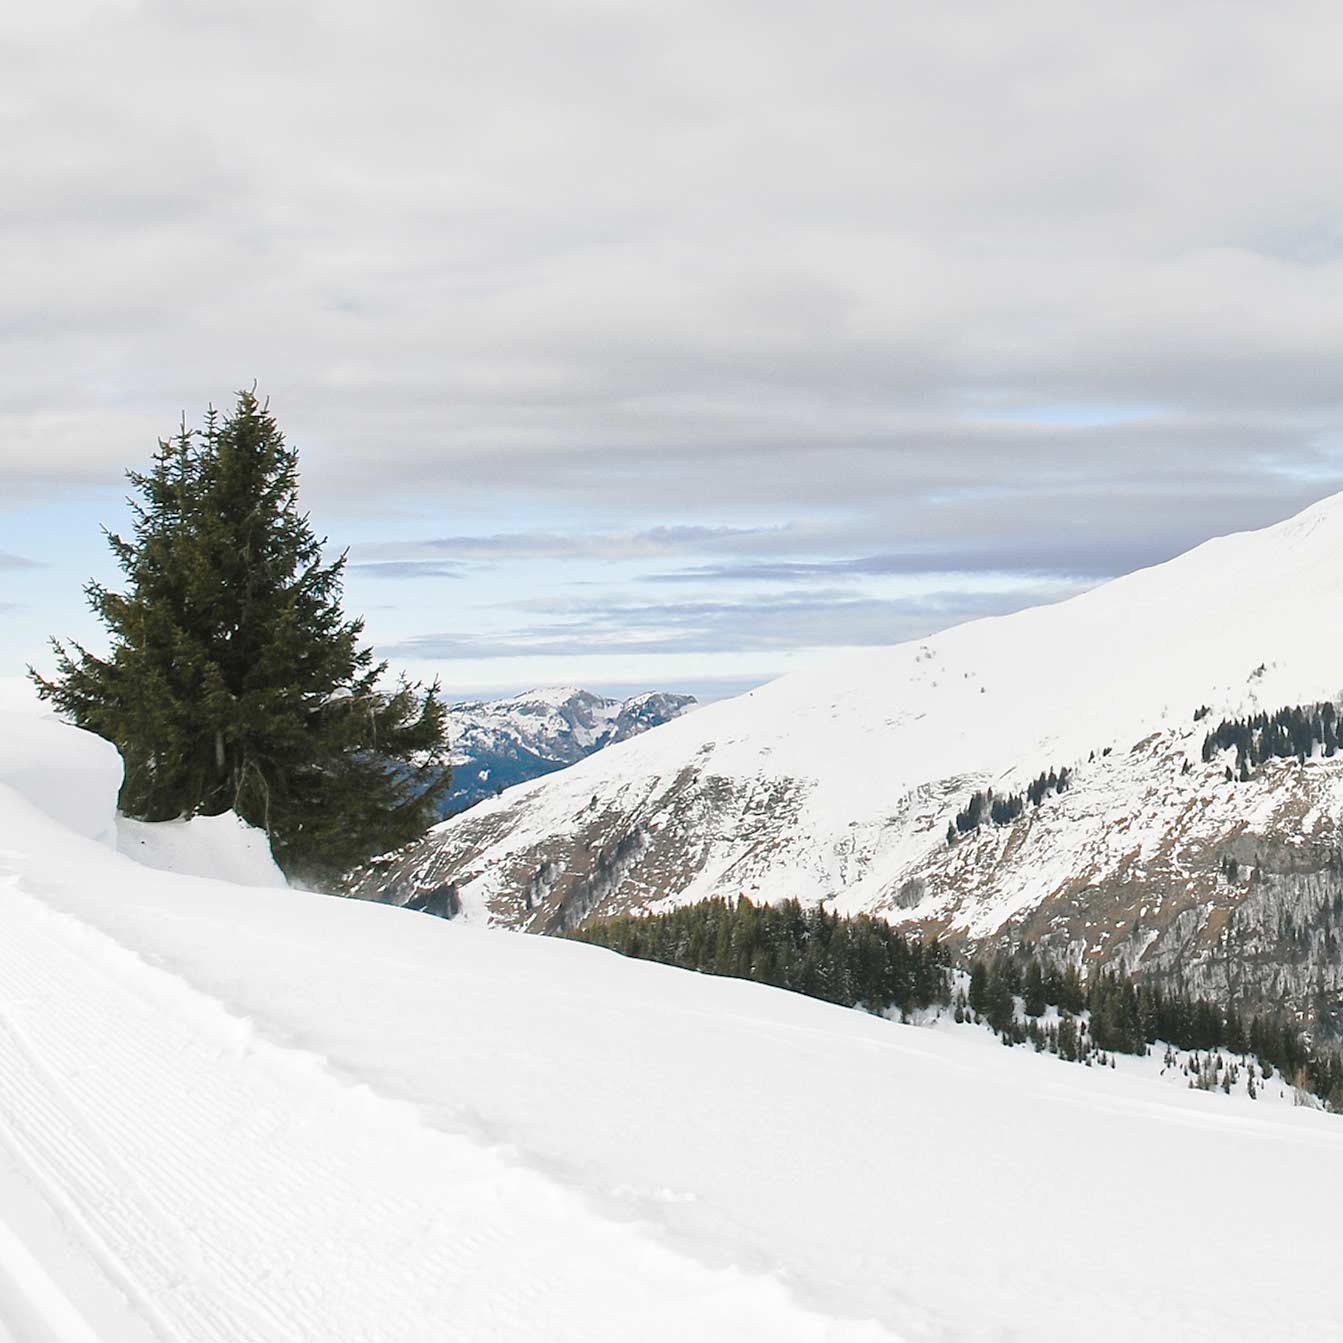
(840, 783)
(244, 1113)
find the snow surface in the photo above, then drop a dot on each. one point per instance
(243, 1114)
(18, 695)
(224, 847)
(838, 782)
(74, 778)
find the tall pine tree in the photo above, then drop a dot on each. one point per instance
(234, 680)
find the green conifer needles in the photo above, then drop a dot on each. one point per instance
(234, 680)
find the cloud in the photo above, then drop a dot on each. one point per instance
(775, 623)
(547, 545)
(12, 562)
(579, 248)
(765, 292)
(408, 569)
(1044, 559)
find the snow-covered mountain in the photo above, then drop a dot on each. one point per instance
(497, 743)
(237, 1113)
(839, 783)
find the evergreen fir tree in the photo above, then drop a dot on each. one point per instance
(234, 679)
(1033, 989)
(860, 961)
(979, 988)
(1000, 1006)
(1067, 1037)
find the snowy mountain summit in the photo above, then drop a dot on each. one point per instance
(497, 743)
(1117, 829)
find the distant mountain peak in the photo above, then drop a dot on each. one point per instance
(498, 743)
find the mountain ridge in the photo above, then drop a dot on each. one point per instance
(499, 743)
(837, 784)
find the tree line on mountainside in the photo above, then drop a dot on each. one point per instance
(1295, 730)
(1124, 1016)
(863, 962)
(857, 962)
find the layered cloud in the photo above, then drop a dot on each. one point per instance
(773, 623)
(765, 293)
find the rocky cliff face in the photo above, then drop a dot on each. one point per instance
(840, 785)
(1157, 864)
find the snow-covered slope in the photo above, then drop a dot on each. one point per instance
(502, 742)
(241, 1115)
(78, 788)
(838, 783)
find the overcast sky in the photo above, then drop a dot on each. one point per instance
(640, 343)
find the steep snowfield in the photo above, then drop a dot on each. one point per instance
(838, 782)
(237, 1113)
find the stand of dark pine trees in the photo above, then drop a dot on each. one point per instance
(984, 805)
(1291, 731)
(864, 962)
(857, 962)
(1127, 1017)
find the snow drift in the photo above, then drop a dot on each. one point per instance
(73, 778)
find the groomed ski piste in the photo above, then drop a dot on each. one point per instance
(233, 1112)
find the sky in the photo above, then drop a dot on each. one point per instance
(674, 345)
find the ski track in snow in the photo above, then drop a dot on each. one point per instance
(233, 1190)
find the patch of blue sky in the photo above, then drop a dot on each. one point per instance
(60, 535)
